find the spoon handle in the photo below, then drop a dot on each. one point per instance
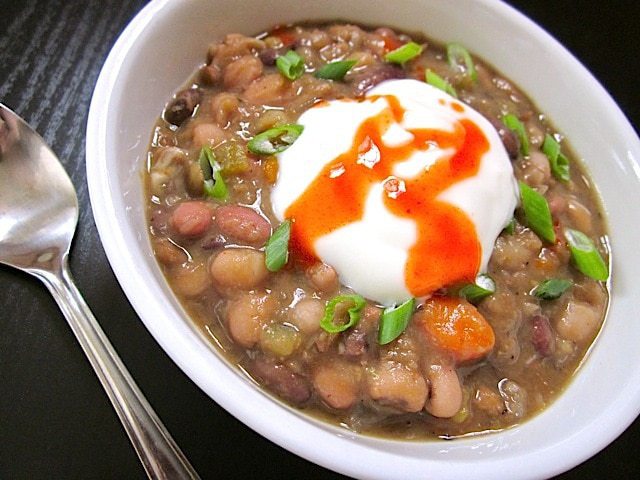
(160, 456)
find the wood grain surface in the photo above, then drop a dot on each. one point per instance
(55, 420)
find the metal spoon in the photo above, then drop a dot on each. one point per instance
(38, 217)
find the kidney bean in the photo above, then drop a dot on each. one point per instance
(243, 224)
(542, 336)
(191, 218)
(280, 379)
(182, 106)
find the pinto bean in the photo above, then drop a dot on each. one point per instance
(306, 315)
(182, 106)
(269, 89)
(537, 170)
(391, 383)
(247, 315)
(191, 218)
(514, 396)
(542, 336)
(242, 72)
(243, 224)
(489, 401)
(513, 251)
(208, 134)
(578, 322)
(167, 252)
(338, 384)
(190, 279)
(445, 392)
(323, 277)
(224, 106)
(580, 216)
(281, 379)
(242, 268)
(370, 77)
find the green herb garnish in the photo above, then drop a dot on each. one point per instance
(558, 162)
(276, 249)
(435, 80)
(537, 213)
(327, 322)
(404, 53)
(510, 229)
(214, 185)
(335, 70)
(482, 288)
(552, 288)
(394, 321)
(516, 126)
(585, 255)
(460, 59)
(291, 65)
(275, 140)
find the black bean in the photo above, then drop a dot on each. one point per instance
(509, 139)
(280, 379)
(372, 76)
(268, 56)
(182, 106)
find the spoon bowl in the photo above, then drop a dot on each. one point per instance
(38, 217)
(33, 232)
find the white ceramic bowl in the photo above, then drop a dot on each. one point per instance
(168, 40)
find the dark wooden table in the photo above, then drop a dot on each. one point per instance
(55, 420)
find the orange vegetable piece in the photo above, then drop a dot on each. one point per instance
(271, 169)
(456, 326)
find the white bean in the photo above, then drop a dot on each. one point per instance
(445, 392)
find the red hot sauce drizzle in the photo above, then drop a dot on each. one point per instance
(447, 250)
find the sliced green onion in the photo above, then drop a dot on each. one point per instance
(214, 185)
(335, 70)
(585, 255)
(404, 53)
(291, 65)
(327, 322)
(516, 126)
(510, 229)
(275, 140)
(482, 288)
(457, 55)
(435, 80)
(552, 288)
(537, 213)
(394, 321)
(558, 162)
(276, 250)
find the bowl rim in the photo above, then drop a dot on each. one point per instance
(550, 460)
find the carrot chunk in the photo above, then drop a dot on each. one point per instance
(456, 326)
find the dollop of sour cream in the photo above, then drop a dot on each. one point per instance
(403, 192)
